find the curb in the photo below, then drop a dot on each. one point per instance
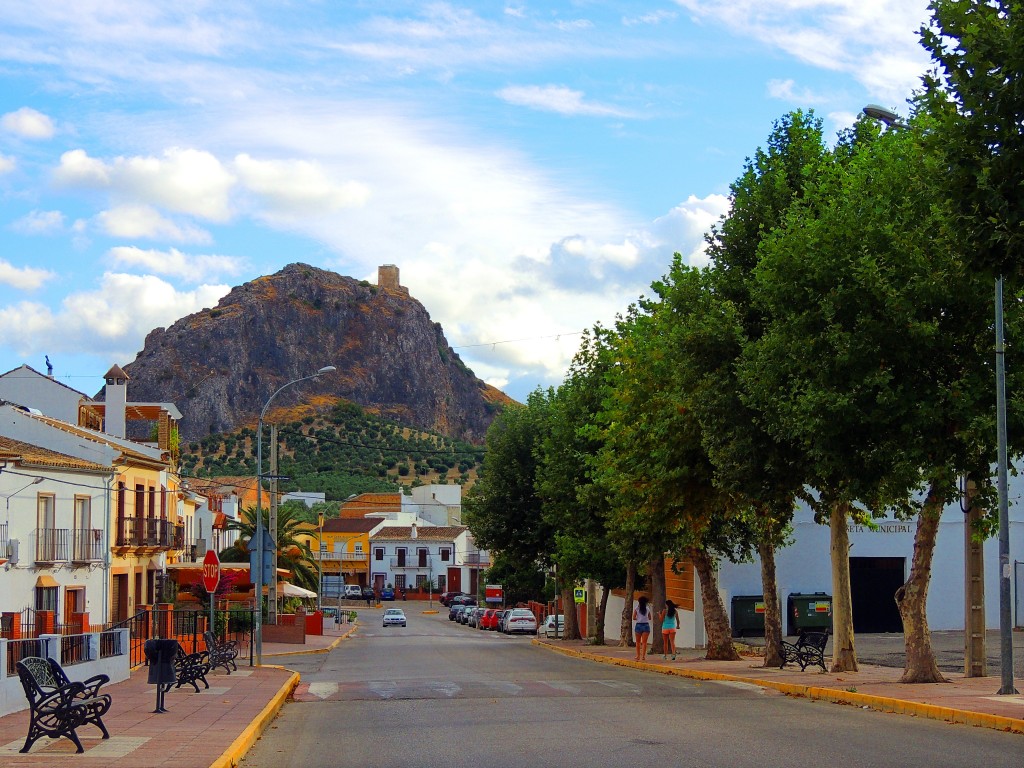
(871, 701)
(328, 649)
(255, 729)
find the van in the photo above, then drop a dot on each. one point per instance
(353, 592)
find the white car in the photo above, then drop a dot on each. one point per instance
(394, 617)
(353, 592)
(549, 625)
(521, 620)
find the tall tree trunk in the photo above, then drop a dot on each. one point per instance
(602, 611)
(716, 621)
(626, 622)
(844, 655)
(772, 610)
(657, 571)
(919, 665)
(572, 625)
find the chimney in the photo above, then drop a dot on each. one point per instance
(412, 531)
(116, 399)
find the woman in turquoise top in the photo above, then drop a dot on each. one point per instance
(669, 624)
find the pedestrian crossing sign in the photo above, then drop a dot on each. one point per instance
(579, 595)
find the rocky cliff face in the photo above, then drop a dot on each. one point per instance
(220, 365)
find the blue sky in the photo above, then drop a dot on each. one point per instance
(529, 167)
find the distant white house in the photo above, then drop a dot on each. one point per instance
(412, 555)
(28, 387)
(441, 504)
(309, 498)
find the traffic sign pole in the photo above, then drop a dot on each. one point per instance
(211, 579)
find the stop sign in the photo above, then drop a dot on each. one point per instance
(211, 571)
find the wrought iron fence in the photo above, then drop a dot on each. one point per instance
(52, 545)
(88, 545)
(74, 649)
(22, 649)
(187, 627)
(110, 644)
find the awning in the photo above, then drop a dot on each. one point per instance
(287, 589)
(220, 521)
(46, 581)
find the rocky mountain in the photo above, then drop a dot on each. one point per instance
(219, 366)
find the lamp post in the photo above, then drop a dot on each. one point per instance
(258, 581)
(320, 562)
(891, 119)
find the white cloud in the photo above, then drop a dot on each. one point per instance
(28, 123)
(297, 186)
(875, 41)
(186, 181)
(7, 163)
(39, 223)
(22, 278)
(654, 17)
(172, 262)
(135, 221)
(111, 321)
(786, 90)
(685, 225)
(556, 98)
(574, 26)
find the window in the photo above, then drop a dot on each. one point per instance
(378, 553)
(46, 598)
(400, 581)
(359, 547)
(446, 555)
(400, 552)
(422, 554)
(83, 513)
(47, 516)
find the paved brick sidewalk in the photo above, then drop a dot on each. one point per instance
(962, 700)
(210, 729)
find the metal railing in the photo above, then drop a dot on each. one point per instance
(22, 649)
(4, 542)
(52, 545)
(88, 545)
(110, 644)
(149, 532)
(74, 649)
(187, 627)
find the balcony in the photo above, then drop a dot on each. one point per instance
(347, 557)
(477, 559)
(87, 546)
(53, 545)
(149, 533)
(413, 563)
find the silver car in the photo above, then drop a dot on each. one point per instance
(394, 617)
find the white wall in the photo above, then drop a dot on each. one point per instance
(32, 389)
(805, 565)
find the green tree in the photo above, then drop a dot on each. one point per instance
(293, 554)
(750, 463)
(976, 97)
(503, 509)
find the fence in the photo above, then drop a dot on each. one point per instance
(187, 627)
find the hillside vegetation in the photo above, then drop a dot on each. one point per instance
(344, 451)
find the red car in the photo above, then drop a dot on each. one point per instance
(490, 619)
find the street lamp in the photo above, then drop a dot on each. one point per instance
(320, 562)
(258, 582)
(891, 119)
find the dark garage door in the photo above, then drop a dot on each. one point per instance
(873, 585)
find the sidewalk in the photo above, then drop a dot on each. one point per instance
(971, 701)
(210, 729)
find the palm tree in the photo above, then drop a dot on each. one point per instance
(292, 553)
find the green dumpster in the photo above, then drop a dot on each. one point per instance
(747, 615)
(810, 611)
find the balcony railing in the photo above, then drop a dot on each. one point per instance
(5, 548)
(52, 545)
(410, 562)
(88, 545)
(150, 532)
(351, 557)
(477, 559)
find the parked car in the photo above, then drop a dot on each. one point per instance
(549, 626)
(489, 619)
(446, 597)
(387, 594)
(353, 592)
(474, 617)
(467, 614)
(521, 621)
(394, 617)
(454, 610)
(368, 593)
(464, 600)
(502, 618)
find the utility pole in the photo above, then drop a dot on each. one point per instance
(974, 588)
(272, 526)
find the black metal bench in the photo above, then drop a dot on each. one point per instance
(807, 650)
(222, 653)
(57, 705)
(190, 669)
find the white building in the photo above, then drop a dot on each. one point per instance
(440, 504)
(53, 535)
(28, 387)
(410, 556)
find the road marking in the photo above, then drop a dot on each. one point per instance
(323, 690)
(384, 688)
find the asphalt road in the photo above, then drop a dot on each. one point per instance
(439, 694)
